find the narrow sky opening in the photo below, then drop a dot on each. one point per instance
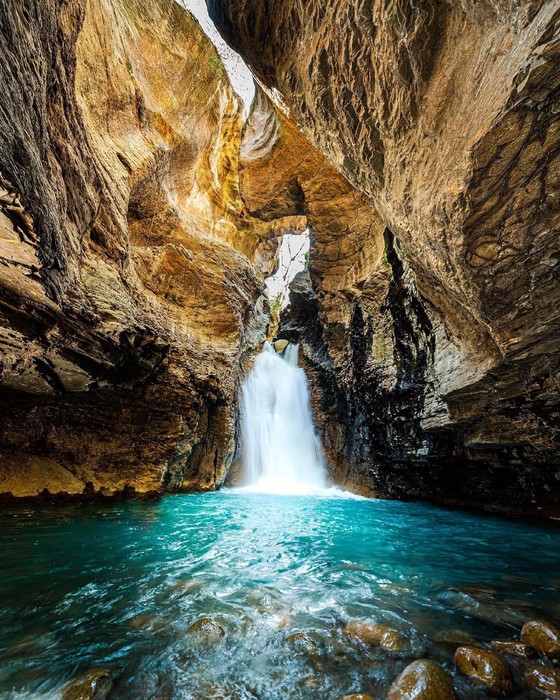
(294, 254)
(239, 74)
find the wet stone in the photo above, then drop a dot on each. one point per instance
(486, 668)
(544, 680)
(357, 696)
(302, 641)
(376, 635)
(543, 636)
(454, 637)
(513, 648)
(91, 685)
(208, 629)
(422, 680)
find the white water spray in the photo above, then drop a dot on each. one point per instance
(281, 453)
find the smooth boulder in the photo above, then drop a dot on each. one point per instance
(543, 636)
(544, 680)
(422, 680)
(486, 668)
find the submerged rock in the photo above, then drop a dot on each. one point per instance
(302, 641)
(454, 637)
(485, 668)
(544, 680)
(543, 636)
(91, 685)
(376, 635)
(208, 629)
(513, 648)
(422, 680)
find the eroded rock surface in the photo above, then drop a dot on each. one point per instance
(435, 328)
(130, 271)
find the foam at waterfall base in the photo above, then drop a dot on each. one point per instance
(279, 488)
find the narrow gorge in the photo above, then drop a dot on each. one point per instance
(209, 489)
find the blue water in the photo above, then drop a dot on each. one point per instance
(117, 586)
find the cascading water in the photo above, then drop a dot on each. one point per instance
(281, 452)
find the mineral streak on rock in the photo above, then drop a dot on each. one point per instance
(437, 365)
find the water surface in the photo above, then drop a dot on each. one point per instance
(118, 585)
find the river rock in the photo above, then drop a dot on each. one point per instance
(544, 680)
(543, 636)
(208, 629)
(91, 685)
(454, 637)
(302, 641)
(357, 696)
(485, 668)
(422, 680)
(513, 648)
(280, 345)
(376, 635)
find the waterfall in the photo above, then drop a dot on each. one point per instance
(280, 450)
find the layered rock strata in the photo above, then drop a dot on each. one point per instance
(440, 360)
(131, 285)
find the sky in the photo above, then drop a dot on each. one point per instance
(240, 76)
(292, 260)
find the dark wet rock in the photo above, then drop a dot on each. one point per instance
(543, 636)
(513, 648)
(454, 637)
(485, 668)
(208, 629)
(544, 680)
(422, 680)
(377, 635)
(91, 685)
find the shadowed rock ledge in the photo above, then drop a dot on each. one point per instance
(431, 325)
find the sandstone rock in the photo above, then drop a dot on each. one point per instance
(376, 635)
(513, 648)
(131, 276)
(544, 680)
(422, 680)
(485, 668)
(91, 685)
(543, 636)
(280, 345)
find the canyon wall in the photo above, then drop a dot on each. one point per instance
(426, 157)
(131, 285)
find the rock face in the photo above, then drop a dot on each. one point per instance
(434, 307)
(131, 287)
